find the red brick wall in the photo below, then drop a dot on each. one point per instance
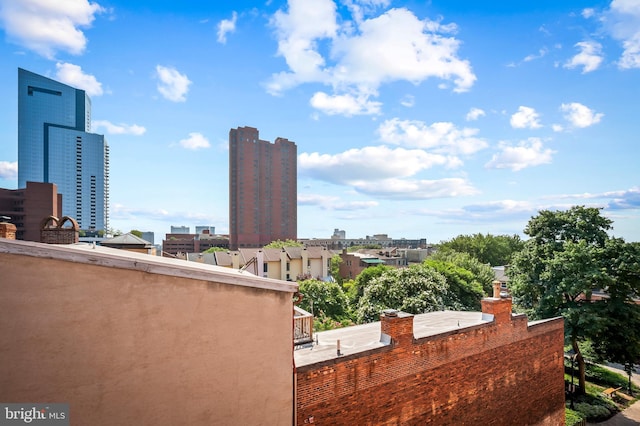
(501, 373)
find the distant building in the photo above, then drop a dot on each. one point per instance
(339, 234)
(500, 275)
(149, 236)
(262, 189)
(173, 244)
(131, 243)
(353, 263)
(336, 242)
(205, 229)
(29, 206)
(180, 230)
(55, 146)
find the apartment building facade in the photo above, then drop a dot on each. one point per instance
(262, 189)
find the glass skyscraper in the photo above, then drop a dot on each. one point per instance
(55, 146)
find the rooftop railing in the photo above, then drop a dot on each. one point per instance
(302, 326)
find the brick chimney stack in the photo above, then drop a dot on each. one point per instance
(498, 307)
(7, 230)
(397, 326)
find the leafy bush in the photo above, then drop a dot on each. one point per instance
(593, 413)
(325, 323)
(416, 290)
(323, 299)
(572, 417)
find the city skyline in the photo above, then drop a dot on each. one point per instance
(412, 119)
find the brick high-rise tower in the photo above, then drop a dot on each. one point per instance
(262, 189)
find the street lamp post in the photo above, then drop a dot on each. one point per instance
(572, 356)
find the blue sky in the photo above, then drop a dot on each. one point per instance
(418, 119)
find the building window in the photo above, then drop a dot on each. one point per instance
(265, 268)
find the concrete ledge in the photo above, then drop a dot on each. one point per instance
(114, 258)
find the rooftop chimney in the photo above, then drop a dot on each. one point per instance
(7, 230)
(396, 327)
(498, 308)
(496, 289)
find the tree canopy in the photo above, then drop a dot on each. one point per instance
(215, 249)
(482, 272)
(495, 250)
(568, 256)
(465, 291)
(355, 288)
(323, 299)
(284, 243)
(416, 289)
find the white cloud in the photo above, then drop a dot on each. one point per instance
(371, 162)
(365, 53)
(588, 12)
(327, 202)
(299, 32)
(525, 118)
(195, 141)
(408, 101)
(347, 104)
(623, 22)
(614, 200)
(474, 114)
(541, 53)
(580, 115)
(527, 153)
(119, 129)
(557, 127)
(227, 26)
(46, 26)
(360, 8)
(383, 172)
(9, 170)
(74, 76)
(441, 137)
(414, 189)
(172, 85)
(589, 58)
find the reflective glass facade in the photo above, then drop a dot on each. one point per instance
(55, 146)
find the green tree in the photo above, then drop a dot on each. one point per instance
(336, 260)
(215, 249)
(416, 289)
(482, 272)
(618, 339)
(136, 233)
(285, 243)
(355, 288)
(496, 250)
(465, 292)
(323, 299)
(560, 265)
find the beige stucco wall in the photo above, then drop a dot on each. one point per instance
(127, 347)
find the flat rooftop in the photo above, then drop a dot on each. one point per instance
(360, 338)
